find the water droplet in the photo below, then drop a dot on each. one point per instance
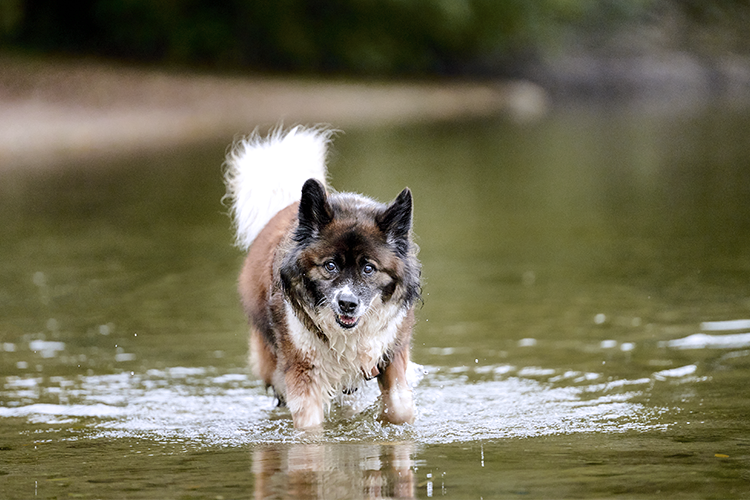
(528, 278)
(39, 279)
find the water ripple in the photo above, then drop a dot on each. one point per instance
(230, 409)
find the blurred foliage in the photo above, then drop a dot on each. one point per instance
(11, 16)
(715, 26)
(355, 36)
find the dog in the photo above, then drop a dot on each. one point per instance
(330, 281)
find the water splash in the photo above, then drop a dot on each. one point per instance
(206, 407)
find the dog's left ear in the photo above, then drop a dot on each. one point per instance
(395, 221)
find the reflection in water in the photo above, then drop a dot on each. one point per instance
(324, 471)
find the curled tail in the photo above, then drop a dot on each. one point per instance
(265, 175)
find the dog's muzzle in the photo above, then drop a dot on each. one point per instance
(346, 314)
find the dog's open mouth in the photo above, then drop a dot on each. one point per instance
(346, 321)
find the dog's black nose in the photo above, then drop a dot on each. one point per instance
(348, 303)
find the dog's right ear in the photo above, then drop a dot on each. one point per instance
(314, 210)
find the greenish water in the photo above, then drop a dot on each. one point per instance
(585, 331)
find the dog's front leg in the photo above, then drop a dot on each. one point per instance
(304, 399)
(398, 405)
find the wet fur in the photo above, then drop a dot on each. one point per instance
(308, 340)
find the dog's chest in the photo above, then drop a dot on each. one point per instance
(344, 357)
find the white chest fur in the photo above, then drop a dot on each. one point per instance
(341, 360)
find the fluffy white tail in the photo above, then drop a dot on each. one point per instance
(265, 175)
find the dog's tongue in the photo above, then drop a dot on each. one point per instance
(347, 320)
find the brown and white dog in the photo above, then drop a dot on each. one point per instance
(330, 281)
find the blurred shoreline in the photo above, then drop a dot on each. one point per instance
(63, 111)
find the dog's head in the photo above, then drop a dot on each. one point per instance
(351, 255)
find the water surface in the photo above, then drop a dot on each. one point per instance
(584, 331)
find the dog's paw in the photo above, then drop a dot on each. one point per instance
(398, 407)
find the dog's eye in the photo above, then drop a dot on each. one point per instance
(330, 266)
(368, 269)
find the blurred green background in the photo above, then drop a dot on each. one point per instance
(371, 37)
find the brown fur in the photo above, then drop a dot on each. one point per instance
(255, 285)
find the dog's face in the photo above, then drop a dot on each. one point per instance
(351, 256)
